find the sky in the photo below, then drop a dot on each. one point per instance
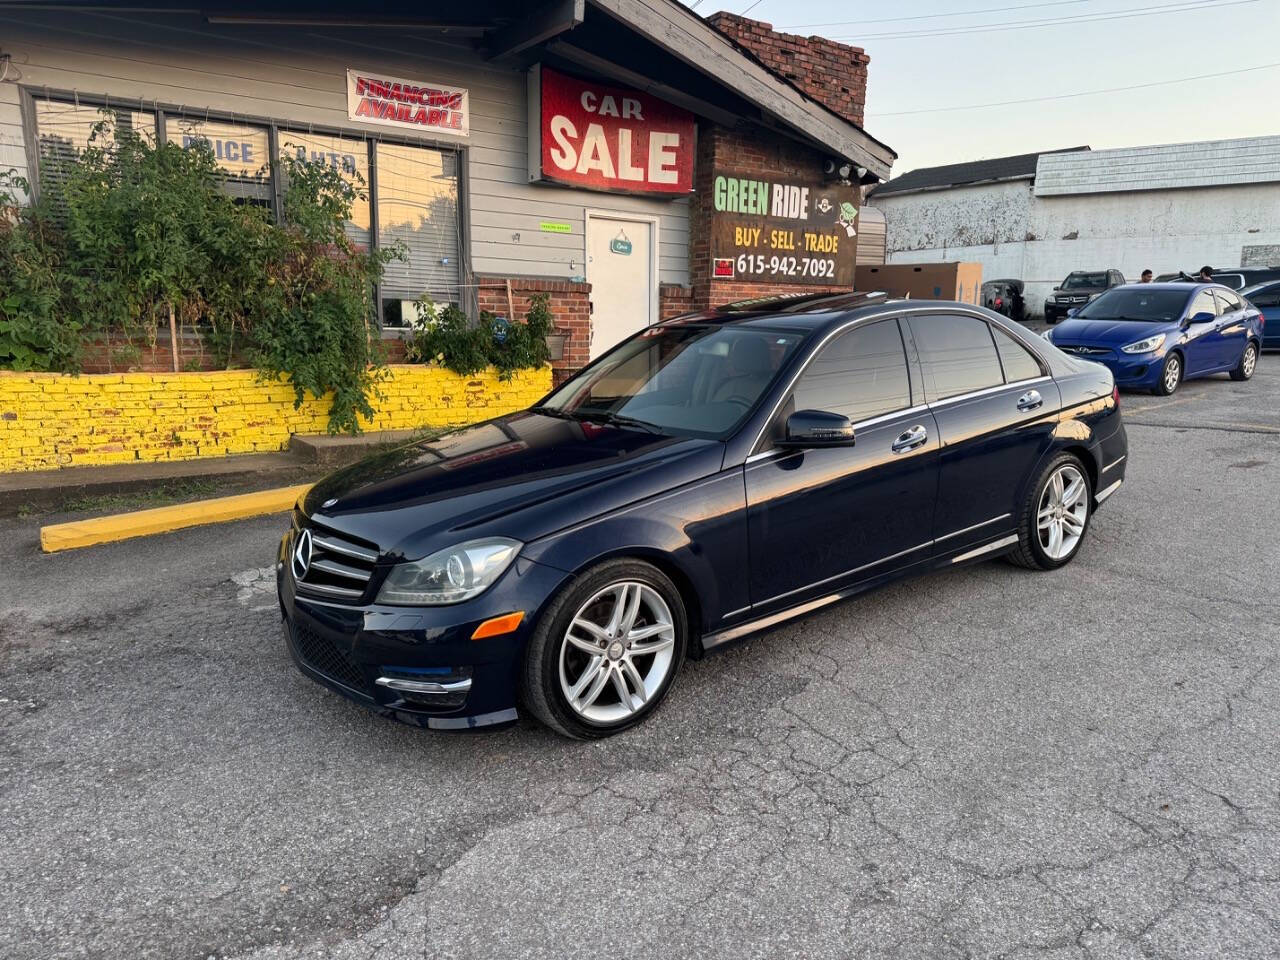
(1133, 42)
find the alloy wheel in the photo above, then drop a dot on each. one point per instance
(617, 652)
(1172, 373)
(1064, 508)
(1250, 360)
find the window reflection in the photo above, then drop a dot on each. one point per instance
(240, 150)
(348, 156)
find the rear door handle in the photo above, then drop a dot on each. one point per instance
(1030, 400)
(913, 438)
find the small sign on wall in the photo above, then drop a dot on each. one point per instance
(408, 104)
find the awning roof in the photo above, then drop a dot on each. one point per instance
(655, 45)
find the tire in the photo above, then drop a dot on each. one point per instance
(579, 647)
(1248, 362)
(1035, 550)
(1171, 374)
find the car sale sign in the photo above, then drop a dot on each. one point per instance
(408, 104)
(602, 137)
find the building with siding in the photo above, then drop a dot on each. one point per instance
(1037, 217)
(605, 152)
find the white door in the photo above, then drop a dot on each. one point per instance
(624, 283)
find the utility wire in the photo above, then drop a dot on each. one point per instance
(1082, 93)
(1179, 6)
(932, 16)
(750, 8)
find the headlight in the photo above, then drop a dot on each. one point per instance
(1145, 346)
(451, 575)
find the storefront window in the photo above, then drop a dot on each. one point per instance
(240, 149)
(348, 156)
(417, 205)
(65, 129)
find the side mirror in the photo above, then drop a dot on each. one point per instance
(1204, 316)
(817, 428)
(1056, 289)
(1073, 311)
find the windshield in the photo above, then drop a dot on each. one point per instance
(697, 381)
(1149, 306)
(1077, 281)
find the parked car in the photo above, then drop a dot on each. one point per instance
(1236, 278)
(1155, 335)
(708, 478)
(1078, 289)
(1004, 296)
(1266, 296)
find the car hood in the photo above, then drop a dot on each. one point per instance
(522, 476)
(1107, 333)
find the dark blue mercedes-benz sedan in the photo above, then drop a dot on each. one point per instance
(707, 478)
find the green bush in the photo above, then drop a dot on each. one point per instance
(448, 338)
(129, 231)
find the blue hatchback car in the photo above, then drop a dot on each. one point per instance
(1152, 336)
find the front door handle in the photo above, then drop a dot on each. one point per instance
(913, 438)
(1030, 400)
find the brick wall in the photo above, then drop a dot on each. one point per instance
(54, 420)
(673, 300)
(753, 153)
(570, 306)
(834, 74)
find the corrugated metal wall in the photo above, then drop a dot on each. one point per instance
(1212, 163)
(297, 75)
(871, 236)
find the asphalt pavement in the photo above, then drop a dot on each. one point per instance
(979, 763)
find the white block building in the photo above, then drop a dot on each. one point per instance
(1037, 217)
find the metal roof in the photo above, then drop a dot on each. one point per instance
(1020, 167)
(1210, 163)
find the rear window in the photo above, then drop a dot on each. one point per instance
(957, 355)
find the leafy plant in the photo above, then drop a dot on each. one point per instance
(447, 337)
(129, 233)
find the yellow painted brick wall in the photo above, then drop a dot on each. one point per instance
(50, 420)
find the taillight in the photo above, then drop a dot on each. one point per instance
(1115, 396)
(999, 302)
(1262, 320)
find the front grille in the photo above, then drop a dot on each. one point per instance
(324, 657)
(340, 566)
(1084, 351)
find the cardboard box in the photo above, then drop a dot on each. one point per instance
(922, 281)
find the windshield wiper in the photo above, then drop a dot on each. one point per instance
(618, 420)
(552, 412)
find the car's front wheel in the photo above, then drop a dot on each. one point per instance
(606, 651)
(1170, 375)
(1248, 362)
(1055, 516)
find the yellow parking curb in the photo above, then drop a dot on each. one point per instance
(143, 523)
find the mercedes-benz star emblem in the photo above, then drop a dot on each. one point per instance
(302, 555)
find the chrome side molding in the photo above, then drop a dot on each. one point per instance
(1107, 491)
(987, 548)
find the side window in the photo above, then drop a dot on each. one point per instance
(1229, 300)
(1268, 298)
(1202, 302)
(861, 374)
(957, 354)
(1016, 359)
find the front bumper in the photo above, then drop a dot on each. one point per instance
(1133, 371)
(418, 665)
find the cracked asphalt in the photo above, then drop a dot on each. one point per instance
(979, 763)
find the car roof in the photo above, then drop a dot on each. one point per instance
(808, 312)
(1183, 285)
(1260, 285)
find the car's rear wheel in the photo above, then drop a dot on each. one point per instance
(1055, 516)
(1248, 362)
(606, 651)
(1170, 375)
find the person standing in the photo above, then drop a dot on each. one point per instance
(1206, 274)
(1146, 276)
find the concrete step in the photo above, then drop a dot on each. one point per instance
(327, 450)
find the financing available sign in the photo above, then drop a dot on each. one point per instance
(418, 105)
(783, 231)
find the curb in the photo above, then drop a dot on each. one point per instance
(144, 523)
